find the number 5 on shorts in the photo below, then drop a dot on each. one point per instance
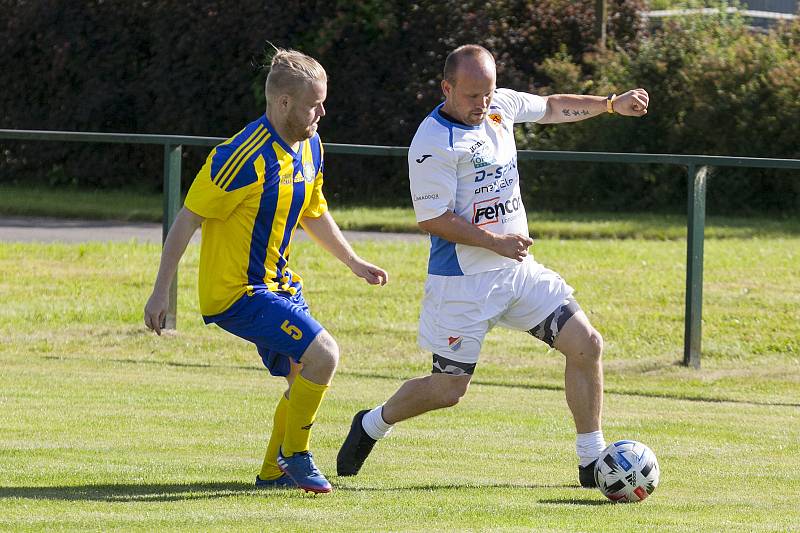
(293, 331)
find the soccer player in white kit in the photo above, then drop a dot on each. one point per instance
(466, 194)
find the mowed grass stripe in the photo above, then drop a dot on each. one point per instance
(159, 465)
(106, 426)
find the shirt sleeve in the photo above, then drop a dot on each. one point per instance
(522, 107)
(215, 198)
(432, 172)
(317, 204)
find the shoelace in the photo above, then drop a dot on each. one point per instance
(308, 462)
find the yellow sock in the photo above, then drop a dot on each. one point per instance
(270, 470)
(304, 400)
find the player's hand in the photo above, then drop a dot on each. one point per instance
(632, 103)
(155, 311)
(372, 274)
(513, 246)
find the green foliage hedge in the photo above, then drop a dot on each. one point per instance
(716, 88)
(193, 67)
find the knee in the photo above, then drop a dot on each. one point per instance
(452, 394)
(323, 352)
(594, 350)
(330, 350)
(588, 350)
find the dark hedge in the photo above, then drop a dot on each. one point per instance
(193, 67)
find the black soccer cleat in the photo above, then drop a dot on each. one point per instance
(355, 449)
(586, 475)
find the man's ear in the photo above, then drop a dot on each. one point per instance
(284, 101)
(446, 88)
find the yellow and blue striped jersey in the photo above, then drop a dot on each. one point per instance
(252, 192)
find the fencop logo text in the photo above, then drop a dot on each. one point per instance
(490, 211)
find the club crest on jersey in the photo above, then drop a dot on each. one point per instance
(308, 172)
(454, 343)
(496, 118)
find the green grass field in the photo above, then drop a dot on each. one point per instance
(105, 426)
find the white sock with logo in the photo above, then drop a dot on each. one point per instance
(374, 424)
(589, 446)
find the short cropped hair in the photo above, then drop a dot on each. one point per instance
(288, 69)
(455, 58)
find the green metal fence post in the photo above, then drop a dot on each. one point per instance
(694, 265)
(172, 203)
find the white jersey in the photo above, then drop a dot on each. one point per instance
(472, 171)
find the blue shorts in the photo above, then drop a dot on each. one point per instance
(277, 323)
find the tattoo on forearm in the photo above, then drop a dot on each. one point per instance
(575, 112)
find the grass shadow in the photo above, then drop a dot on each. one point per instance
(574, 501)
(130, 492)
(168, 492)
(453, 486)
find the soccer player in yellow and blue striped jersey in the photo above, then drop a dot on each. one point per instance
(249, 197)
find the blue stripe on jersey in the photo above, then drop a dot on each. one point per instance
(298, 197)
(448, 123)
(316, 151)
(443, 260)
(225, 151)
(262, 226)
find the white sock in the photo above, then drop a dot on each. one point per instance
(374, 424)
(589, 446)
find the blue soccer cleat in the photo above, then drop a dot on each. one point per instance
(283, 482)
(301, 469)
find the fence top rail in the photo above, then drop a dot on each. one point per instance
(360, 149)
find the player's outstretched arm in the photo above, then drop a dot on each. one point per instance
(155, 311)
(575, 107)
(325, 232)
(453, 228)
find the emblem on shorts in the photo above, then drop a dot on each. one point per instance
(454, 343)
(423, 158)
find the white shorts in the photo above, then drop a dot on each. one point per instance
(458, 311)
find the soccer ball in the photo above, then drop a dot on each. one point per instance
(627, 471)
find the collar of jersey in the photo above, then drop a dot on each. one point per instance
(265, 121)
(448, 123)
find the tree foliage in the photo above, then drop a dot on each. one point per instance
(193, 67)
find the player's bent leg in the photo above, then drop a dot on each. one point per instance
(420, 395)
(582, 347)
(415, 397)
(305, 396)
(271, 476)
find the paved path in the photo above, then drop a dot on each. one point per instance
(37, 229)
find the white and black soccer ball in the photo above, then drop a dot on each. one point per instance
(627, 471)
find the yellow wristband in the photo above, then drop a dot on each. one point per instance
(610, 103)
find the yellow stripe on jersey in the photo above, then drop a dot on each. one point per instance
(284, 203)
(257, 133)
(227, 181)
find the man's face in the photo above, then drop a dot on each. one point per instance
(305, 110)
(468, 98)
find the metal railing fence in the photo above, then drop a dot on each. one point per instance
(697, 167)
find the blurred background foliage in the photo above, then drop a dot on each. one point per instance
(195, 67)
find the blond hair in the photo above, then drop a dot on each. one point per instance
(288, 69)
